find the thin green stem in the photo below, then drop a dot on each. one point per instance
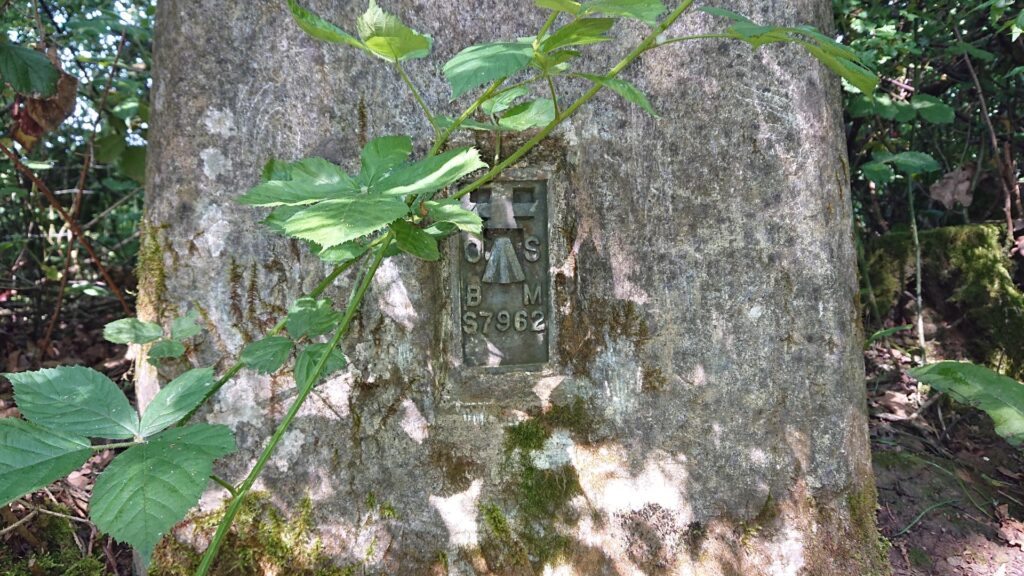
(419, 99)
(237, 366)
(497, 141)
(921, 515)
(443, 138)
(626, 61)
(305, 388)
(686, 38)
(114, 446)
(544, 29)
(223, 484)
(554, 95)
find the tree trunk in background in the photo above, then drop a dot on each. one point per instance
(702, 409)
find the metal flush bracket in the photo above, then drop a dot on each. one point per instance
(504, 279)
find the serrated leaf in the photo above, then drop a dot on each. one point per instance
(829, 45)
(267, 355)
(32, 457)
(932, 109)
(915, 163)
(176, 400)
(646, 11)
(415, 241)
(578, 33)
(878, 172)
(75, 400)
(503, 101)
(308, 359)
(311, 317)
(165, 349)
(186, 327)
(452, 212)
(857, 75)
(430, 174)
(342, 252)
(381, 155)
(532, 114)
(387, 37)
(319, 28)
(485, 63)
(131, 331)
(626, 90)
(334, 222)
(561, 5)
(149, 488)
(1002, 398)
(27, 71)
(306, 181)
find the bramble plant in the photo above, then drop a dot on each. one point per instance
(392, 206)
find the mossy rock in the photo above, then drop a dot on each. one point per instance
(262, 541)
(965, 274)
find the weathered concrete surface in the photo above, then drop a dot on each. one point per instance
(703, 412)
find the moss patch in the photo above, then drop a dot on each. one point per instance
(262, 541)
(151, 272)
(965, 273)
(537, 498)
(62, 556)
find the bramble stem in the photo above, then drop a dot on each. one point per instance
(223, 484)
(440, 142)
(544, 29)
(685, 38)
(554, 95)
(323, 285)
(645, 45)
(419, 99)
(305, 388)
(114, 446)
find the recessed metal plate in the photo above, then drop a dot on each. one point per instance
(503, 277)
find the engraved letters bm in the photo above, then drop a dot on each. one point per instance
(503, 276)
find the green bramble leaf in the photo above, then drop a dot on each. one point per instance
(430, 174)
(624, 89)
(723, 13)
(304, 182)
(335, 222)
(131, 331)
(267, 355)
(646, 11)
(382, 154)
(150, 487)
(311, 317)
(445, 122)
(185, 327)
(165, 349)
(451, 212)
(176, 400)
(385, 35)
(1002, 398)
(27, 71)
(532, 114)
(878, 172)
(342, 252)
(485, 63)
(75, 400)
(579, 33)
(415, 241)
(568, 6)
(321, 29)
(504, 101)
(309, 357)
(912, 163)
(932, 109)
(32, 457)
